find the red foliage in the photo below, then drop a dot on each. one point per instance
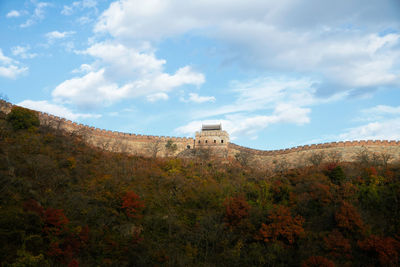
(321, 192)
(348, 218)
(55, 250)
(236, 209)
(338, 245)
(347, 191)
(34, 206)
(283, 226)
(73, 263)
(84, 234)
(132, 204)
(330, 166)
(318, 261)
(371, 171)
(385, 248)
(55, 221)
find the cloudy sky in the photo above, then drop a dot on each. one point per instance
(276, 74)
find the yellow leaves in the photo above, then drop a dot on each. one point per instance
(71, 163)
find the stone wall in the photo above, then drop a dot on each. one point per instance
(151, 146)
(313, 154)
(135, 144)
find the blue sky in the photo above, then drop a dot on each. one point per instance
(276, 74)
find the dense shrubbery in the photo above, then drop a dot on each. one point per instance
(22, 118)
(66, 204)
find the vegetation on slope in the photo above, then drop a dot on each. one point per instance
(63, 203)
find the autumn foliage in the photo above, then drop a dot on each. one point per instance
(318, 261)
(236, 210)
(64, 203)
(283, 226)
(337, 245)
(132, 204)
(385, 249)
(348, 218)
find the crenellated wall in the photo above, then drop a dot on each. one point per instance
(135, 144)
(152, 146)
(309, 154)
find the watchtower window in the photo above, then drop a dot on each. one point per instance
(222, 141)
(206, 141)
(215, 141)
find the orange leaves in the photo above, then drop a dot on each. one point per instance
(348, 218)
(55, 221)
(33, 206)
(338, 245)
(317, 261)
(283, 226)
(236, 209)
(132, 204)
(385, 248)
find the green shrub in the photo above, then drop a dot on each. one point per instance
(22, 118)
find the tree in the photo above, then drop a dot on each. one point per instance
(316, 158)
(154, 147)
(236, 210)
(171, 147)
(132, 204)
(283, 226)
(244, 158)
(22, 118)
(318, 261)
(337, 245)
(348, 218)
(386, 249)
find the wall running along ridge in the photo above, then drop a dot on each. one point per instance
(152, 146)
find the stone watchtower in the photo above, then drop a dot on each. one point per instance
(212, 136)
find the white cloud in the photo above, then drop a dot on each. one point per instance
(379, 130)
(122, 72)
(338, 41)
(90, 90)
(56, 110)
(78, 5)
(10, 68)
(96, 89)
(240, 125)
(381, 122)
(84, 68)
(54, 35)
(23, 52)
(267, 94)
(13, 14)
(383, 110)
(193, 97)
(4, 59)
(12, 71)
(122, 60)
(259, 104)
(38, 14)
(156, 97)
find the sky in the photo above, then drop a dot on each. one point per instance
(276, 74)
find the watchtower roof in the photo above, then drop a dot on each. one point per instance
(211, 127)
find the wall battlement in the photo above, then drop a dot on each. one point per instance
(155, 146)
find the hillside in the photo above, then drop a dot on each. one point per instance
(65, 203)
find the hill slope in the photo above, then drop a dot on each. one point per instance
(65, 203)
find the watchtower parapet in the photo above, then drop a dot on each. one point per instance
(212, 135)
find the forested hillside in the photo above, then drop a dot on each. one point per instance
(64, 203)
